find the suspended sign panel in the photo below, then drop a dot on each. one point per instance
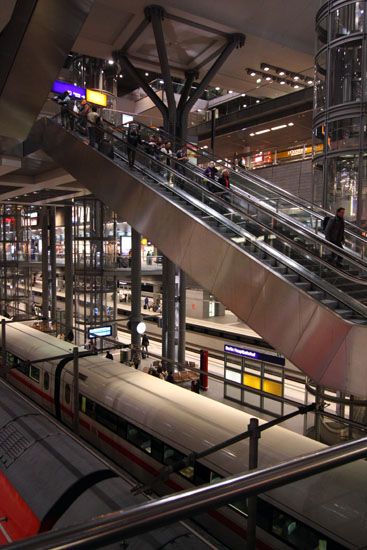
(97, 98)
(59, 87)
(100, 332)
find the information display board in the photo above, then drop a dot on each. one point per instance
(100, 332)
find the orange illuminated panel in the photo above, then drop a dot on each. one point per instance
(275, 388)
(252, 381)
(96, 97)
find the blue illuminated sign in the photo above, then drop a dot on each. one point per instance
(100, 332)
(255, 355)
(59, 87)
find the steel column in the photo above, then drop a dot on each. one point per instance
(45, 286)
(69, 269)
(52, 225)
(135, 289)
(182, 320)
(252, 501)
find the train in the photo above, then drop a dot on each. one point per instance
(49, 480)
(144, 423)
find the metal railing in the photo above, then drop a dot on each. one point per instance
(132, 521)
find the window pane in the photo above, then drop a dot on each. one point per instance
(202, 474)
(139, 438)
(35, 373)
(171, 455)
(106, 418)
(46, 381)
(345, 74)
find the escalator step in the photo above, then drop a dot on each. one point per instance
(316, 294)
(333, 304)
(346, 313)
(292, 278)
(303, 285)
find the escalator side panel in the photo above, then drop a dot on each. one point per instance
(312, 336)
(37, 58)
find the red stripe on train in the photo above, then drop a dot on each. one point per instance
(21, 522)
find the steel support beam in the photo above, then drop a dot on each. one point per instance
(138, 31)
(182, 320)
(170, 281)
(234, 41)
(131, 70)
(52, 226)
(156, 15)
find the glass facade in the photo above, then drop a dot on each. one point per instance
(339, 127)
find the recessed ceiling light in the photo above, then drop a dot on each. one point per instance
(244, 106)
(266, 68)
(110, 61)
(290, 123)
(282, 82)
(230, 91)
(258, 101)
(281, 73)
(262, 132)
(268, 78)
(146, 74)
(217, 88)
(296, 86)
(243, 95)
(253, 73)
(296, 77)
(310, 82)
(121, 75)
(258, 81)
(252, 134)
(161, 82)
(279, 127)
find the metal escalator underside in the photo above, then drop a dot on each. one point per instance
(329, 349)
(33, 45)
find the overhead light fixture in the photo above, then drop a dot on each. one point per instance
(244, 106)
(252, 73)
(281, 73)
(252, 134)
(243, 95)
(268, 78)
(258, 101)
(110, 61)
(230, 91)
(296, 86)
(280, 127)
(296, 77)
(146, 74)
(265, 68)
(290, 123)
(217, 88)
(282, 82)
(121, 75)
(310, 82)
(161, 82)
(258, 80)
(205, 146)
(262, 132)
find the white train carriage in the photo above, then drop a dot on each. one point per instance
(144, 423)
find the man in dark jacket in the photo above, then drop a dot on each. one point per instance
(334, 233)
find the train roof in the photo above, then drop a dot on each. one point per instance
(42, 462)
(333, 502)
(33, 345)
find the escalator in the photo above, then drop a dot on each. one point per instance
(34, 44)
(286, 290)
(276, 199)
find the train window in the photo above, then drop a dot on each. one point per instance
(106, 418)
(139, 438)
(34, 373)
(23, 366)
(121, 427)
(157, 449)
(67, 393)
(46, 380)
(202, 474)
(171, 455)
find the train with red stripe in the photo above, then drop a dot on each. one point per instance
(50, 480)
(144, 423)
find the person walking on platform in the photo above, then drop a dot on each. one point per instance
(334, 233)
(109, 355)
(133, 140)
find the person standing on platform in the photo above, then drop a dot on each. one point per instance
(144, 345)
(334, 233)
(109, 355)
